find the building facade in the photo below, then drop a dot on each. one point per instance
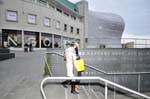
(43, 23)
(105, 30)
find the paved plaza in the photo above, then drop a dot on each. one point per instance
(20, 77)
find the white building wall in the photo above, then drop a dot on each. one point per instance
(83, 10)
(24, 8)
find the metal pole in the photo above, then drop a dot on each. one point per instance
(135, 44)
(53, 41)
(40, 36)
(114, 88)
(89, 73)
(139, 82)
(146, 44)
(22, 37)
(106, 90)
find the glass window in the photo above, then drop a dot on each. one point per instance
(57, 41)
(11, 15)
(43, 2)
(59, 10)
(46, 40)
(73, 17)
(57, 24)
(78, 31)
(31, 37)
(33, 1)
(31, 18)
(11, 38)
(71, 29)
(52, 6)
(47, 21)
(66, 14)
(65, 27)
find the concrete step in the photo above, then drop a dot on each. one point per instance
(118, 95)
(55, 90)
(27, 88)
(99, 94)
(123, 96)
(90, 93)
(4, 50)
(4, 56)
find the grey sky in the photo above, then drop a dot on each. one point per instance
(136, 14)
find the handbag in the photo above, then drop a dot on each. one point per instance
(79, 65)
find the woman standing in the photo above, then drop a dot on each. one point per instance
(70, 57)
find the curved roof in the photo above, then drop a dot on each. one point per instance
(69, 5)
(105, 25)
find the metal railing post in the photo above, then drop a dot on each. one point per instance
(146, 44)
(106, 90)
(114, 87)
(139, 82)
(42, 90)
(135, 45)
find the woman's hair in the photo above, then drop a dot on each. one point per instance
(76, 44)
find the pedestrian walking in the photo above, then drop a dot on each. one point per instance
(30, 47)
(70, 57)
(26, 47)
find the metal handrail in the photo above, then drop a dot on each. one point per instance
(101, 71)
(91, 78)
(50, 73)
(118, 38)
(125, 73)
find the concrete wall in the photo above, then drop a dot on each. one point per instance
(118, 60)
(114, 61)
